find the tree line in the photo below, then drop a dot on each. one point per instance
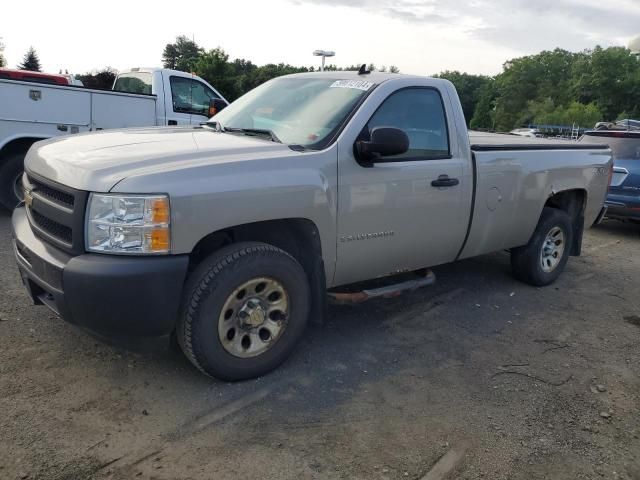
(233, 78)
(551, 88)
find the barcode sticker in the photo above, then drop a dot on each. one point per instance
(357, 84)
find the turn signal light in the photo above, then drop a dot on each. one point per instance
(160, 210)
(159, 240)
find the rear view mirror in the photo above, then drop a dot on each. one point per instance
(215, 105)
(385, 141)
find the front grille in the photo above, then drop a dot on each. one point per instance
(53, 194)
(53, 228)
(56, 212)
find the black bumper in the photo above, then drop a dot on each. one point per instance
(108, 294)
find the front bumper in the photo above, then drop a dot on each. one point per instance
(108, 294)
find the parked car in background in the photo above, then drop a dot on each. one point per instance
(230, 233)
(39, 106)
(35, 77)
(623, 199)
(526, 132)
(626, 124)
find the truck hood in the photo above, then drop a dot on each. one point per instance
(98, 161)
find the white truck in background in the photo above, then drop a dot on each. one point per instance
(140, 97)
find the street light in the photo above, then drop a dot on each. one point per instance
(324, 54)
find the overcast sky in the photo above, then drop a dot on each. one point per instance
(419, 36)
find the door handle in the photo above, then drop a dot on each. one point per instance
(445, 181)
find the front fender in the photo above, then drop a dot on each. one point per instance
(210, 198)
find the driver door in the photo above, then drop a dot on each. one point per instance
(179, 108)
(391, 217)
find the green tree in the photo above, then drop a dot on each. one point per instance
(564, 87)
(234, 79)
(101, 79)
(215, 68)
(182, 55)
(484, 112)
(3, 62)
(535, 77)
(469, 88)
(30, 61)
(546, 112)
(271, 70)
(611, 78)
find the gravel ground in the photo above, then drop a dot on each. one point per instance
(525, 383)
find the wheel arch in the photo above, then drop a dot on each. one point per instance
(299, 237)
(19, 143)
(573, 202)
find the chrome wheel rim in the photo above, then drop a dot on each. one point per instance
(552, 249)
(253, 317)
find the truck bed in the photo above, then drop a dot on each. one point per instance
(47, 110)
(483, 141)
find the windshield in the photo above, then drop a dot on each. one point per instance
(133, 82)
(300, 111)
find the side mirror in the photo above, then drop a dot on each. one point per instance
(385, 141)
(215, 105)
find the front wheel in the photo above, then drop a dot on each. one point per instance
(244, 309)
(541, 261)
(11, 169)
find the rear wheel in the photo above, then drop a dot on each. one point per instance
(11, 169)
(543, 259)
(244, 310)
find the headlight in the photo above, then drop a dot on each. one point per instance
(133, 224)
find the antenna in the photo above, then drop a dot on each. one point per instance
(363, 70)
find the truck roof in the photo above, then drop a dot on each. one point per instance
(375, 77)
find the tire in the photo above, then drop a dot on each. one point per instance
(11, 168)
(216, 318)
(539, 263)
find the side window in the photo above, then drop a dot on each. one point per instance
(201, 96)
(419, 112)
(181, 94)
(190, 96)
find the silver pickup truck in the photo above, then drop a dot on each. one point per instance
(229, 234)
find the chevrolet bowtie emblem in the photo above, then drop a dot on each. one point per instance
(28, 198)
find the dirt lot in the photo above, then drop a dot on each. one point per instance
(521, 383)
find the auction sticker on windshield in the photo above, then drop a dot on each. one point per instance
(358, 84)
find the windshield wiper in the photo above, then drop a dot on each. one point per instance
(253, 132)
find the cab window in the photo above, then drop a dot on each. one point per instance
(134, 82)
(201, 97)
(419, 112)
(191, 96)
